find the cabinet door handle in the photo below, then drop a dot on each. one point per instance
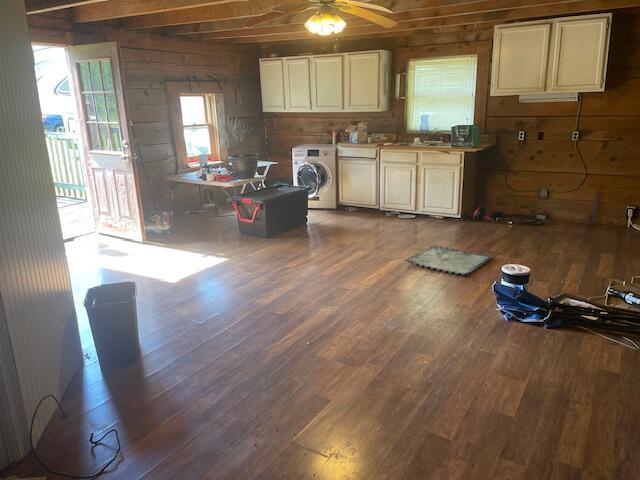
(398, 85)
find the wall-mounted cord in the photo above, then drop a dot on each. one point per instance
(507, 174)
(94, 443)
(577, 152)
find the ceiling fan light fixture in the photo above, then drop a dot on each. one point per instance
(325, 23)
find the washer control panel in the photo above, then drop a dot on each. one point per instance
(303, 153)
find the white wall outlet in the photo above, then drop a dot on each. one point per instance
(522, 135)
(575, 135)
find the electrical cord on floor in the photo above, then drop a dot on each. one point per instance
(94, 443)
(625, 342)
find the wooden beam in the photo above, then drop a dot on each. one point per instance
(577, 7)
(252, 9)
(133, 8)
(289, 25)
(43, 6)
(196, 15)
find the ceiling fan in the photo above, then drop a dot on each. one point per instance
(326, 20)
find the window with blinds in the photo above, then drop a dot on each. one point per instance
(441, 93)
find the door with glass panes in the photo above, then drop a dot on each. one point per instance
(109, 158)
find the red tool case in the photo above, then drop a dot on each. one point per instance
(271, 211)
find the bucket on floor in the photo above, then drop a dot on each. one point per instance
(114, 323)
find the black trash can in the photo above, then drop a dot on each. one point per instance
(271, 211)
(114, 323)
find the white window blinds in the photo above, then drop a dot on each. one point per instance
(441, 92)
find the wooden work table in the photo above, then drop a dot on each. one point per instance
(191, 178)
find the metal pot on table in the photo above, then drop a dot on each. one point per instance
(244, 165)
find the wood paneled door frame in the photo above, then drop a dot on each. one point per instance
(215, 114)
(112, 182)
(481, 49)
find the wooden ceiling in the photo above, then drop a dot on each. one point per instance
(225, 20)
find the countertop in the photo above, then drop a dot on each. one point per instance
(439, 148)
(445, 148)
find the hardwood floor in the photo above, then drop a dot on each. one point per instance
(322, 354)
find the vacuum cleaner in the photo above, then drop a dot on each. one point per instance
(516, 303)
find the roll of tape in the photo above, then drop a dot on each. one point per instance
(515, 275)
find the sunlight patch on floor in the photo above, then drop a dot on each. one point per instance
(152, 261)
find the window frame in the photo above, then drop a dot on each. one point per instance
(214, 110)
(432, 57)
(481, 48)
(91, 95)
(210, 119)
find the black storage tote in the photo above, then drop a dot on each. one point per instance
(271, 211)
(114, 323)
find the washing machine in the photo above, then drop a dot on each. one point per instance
(315, 168)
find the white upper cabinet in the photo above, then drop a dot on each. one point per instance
(579, 52)
(520, 56)
(272, 84)
(346, 82)
(367, 81)
(558, 55)
(327, 93)
(297, 84)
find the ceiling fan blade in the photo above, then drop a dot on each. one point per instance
(281, 12)
(369, 16)
(369, 6)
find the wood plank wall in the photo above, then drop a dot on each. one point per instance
(34, 277)
(285, 130)
(610, 123)
(151, 60)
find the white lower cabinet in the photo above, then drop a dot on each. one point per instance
(358, 182)
(440, 189)
(427, 182)
(398, 186)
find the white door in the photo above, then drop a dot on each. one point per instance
(112, 178)
(272, 84)
(440, 189)
(362, 82)
(520, 58)
(327, 83)
(579, 54)
(398, 186)
(358, 182)
(297, 84)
